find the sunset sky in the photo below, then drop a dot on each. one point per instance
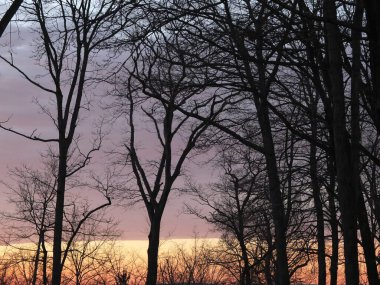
(19, 107)
(126, 125)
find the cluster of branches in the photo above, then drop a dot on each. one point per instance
(110, 263)
(286, 93)
(27, 231)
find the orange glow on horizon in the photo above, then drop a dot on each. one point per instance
(130, 256)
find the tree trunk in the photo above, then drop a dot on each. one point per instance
(372, 8)
(346, 189)
(365, 231)
(246, 274)
(59, 208)
(44, 262)
(267, 271)
(317, 195)
(334, 226)
(269, 255)
(319, 213)
(373, 190)
(367, 242)
(37, 258)
(278, 212)
(77, 278)
(154, 242)
(334, 241)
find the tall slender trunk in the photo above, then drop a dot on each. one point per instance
(246, 274)
(278, 211)
(59, 208)
(333, 222)
(269, 255)
(314, 58)
(373, 190)
(372, 9)
(346, 189)
(44, 261)
(37, 259)
(282, 275)
(365, 231)
(367, 242)
(319, 213)
(154, 242)
(245, 278)
(334, 242)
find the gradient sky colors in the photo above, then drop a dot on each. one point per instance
(18, 106)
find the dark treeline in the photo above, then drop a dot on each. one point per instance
(285, 97)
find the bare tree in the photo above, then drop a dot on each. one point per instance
(33, 196)
(153, 89)
(335, 54)
(238, 206)
(234, 49)
(235, 203)
(87, 251)
(71, 33)
(194, 265)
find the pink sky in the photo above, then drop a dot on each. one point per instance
(17, 103)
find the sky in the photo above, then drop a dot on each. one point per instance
(18, 107)
(138, 247)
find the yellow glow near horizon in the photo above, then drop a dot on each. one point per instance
(138, 247)
(141, 246)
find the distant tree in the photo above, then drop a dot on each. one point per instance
(88, 251)
(33, 197)
(122, 278)
(120, 267)
(235, 203)
(194, 265)
(33, 219)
